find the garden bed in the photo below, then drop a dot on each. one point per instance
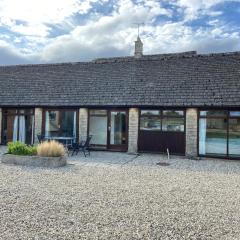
(35, 161)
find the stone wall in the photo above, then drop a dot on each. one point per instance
(133, 130)
(83, 122)
(38, 123)
(0, 125)
(191, 131)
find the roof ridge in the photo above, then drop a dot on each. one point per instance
(153, 57)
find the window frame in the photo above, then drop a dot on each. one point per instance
(162, 116)
(60, 115)
(227, 117)
(28, 111)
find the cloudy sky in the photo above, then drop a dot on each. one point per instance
(41, 31)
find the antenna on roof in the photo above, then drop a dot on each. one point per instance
(138, 26)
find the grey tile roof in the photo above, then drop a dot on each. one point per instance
(186, 79)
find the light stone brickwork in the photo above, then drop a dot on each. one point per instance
(191, 131)
(133, 130)
(83, 122)
(38, 123)
(0, 125)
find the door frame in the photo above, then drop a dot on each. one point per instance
(116, 147)
(108, 146)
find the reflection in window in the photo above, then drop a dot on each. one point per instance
(235, 114)
(234, 136)
(173, 124)
(60, 123)
(172, 113)
(150, 120)
(213, 136)
(213, 113)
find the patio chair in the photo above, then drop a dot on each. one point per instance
(40, 138)
(83, 146)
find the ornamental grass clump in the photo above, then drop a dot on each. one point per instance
(51, 149)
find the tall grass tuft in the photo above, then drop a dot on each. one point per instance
(51, 149)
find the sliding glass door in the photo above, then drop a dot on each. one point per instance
(234, 134)
(108, 129)
(219, 133)
(18, 125)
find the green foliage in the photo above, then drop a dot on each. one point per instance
(18, 148)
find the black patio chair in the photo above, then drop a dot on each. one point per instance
(40, 138)
(83, 146)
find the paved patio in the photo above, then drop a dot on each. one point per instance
(117, 159)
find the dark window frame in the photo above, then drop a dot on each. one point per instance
(60, 115)
(162, 116)
(28, 111)
(227, 117)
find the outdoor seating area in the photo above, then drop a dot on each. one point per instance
(72, 145)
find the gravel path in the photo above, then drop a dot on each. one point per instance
(118, 202)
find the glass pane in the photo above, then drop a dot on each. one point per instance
(173, 113)
(235, 114)
(173, 124)
(52, 124)
(29, 120)
(213, 136)
(118, 128)
(8, 126)
(150, 112)
(234, 136)
(18, 128)
(98, 130)
(150, 123)
(68, 124)
(98, 112)
(213, 113)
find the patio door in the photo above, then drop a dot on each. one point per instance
(109, 129)
(117, 130)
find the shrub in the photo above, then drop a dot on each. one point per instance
(18, 148)
(50, 149)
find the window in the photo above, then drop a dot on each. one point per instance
(173, 124)
(18, 125)
(61, 123)
(213, 113)
(213, 136)
(166, 120)
(234, 134)
(219, 133)
(173, 121)
(150, 120)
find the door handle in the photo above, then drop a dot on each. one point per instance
(109, 128)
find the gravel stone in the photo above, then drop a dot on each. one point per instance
(130, 199)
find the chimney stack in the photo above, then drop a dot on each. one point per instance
(138, 48)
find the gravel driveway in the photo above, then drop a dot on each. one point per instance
(121, 201)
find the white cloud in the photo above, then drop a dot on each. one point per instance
(32, 17)
(114, 34)
(194, 8)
